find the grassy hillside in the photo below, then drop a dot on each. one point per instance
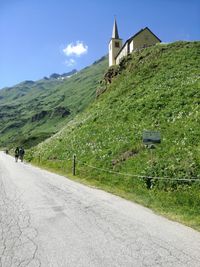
(154, 89)
(32, 111)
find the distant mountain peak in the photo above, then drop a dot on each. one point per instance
(62, 76)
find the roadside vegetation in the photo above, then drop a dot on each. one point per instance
(157, 89)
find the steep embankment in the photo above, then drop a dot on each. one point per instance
(154, 89)
(32, 111)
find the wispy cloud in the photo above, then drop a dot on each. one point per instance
(77, 49)
(70, 62)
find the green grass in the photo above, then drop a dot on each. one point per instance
(156, 89)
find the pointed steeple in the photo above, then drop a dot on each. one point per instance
(115, 34)
(115, 45)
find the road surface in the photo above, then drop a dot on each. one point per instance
(48, 220)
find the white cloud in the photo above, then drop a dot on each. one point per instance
(70, 62)
(77, 49)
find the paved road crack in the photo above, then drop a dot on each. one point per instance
(17, 237)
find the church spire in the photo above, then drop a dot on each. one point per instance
(115, 45)
(115, 34)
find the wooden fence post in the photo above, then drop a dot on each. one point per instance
(74, 165)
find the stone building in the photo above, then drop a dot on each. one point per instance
(117, 50)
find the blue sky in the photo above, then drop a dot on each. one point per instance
(40, 37)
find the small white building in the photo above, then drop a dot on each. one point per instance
(144, 38)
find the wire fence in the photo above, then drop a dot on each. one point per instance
(74, 162)
(141, 176)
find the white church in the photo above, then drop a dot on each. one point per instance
(117, 50)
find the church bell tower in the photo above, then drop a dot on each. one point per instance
(115, 45)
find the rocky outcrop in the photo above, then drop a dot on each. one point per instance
(57, 112)
(39, 116)
(61, 112)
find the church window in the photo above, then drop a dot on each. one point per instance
(116, 44)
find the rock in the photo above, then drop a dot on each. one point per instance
(39, 116)
(61, 111)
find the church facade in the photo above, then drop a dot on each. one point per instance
(117, 50)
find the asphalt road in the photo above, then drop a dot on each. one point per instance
(48, 220)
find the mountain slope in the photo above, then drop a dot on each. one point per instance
(154, 89)
(32, 111)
